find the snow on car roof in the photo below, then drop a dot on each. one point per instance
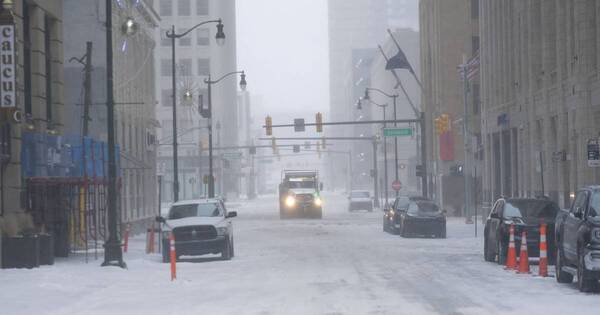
(196, 201)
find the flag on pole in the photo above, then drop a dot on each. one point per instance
(472, 67)
(399, 61)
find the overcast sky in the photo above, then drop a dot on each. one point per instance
(283, 47)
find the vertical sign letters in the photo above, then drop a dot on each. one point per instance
(7, 67)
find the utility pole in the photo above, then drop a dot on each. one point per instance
(466, 140)
(375, 177)
(87, 88)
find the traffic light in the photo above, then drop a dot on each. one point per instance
(274, 145)
(299, 124)
(445, 122)
(269, 125)
(438, 126)
(296, 148)
(420, 171)
(319, 122)
(456, 169)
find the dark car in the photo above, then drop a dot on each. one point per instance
(422, 218)
(526, 214)
(391, 215)
(578, 240)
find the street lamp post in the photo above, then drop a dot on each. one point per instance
(209, 82)
(385, 166)
(220, 38)
(394, 97)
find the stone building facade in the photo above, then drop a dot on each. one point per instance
(449, 31)
(540, 96)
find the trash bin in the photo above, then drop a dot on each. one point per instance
(46, 249)
(21, 251)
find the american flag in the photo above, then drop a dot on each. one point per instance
(472, 67)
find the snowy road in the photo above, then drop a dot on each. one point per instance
(343, 264)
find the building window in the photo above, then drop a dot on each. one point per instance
(185, 67)
(166, 68)
(475, 44)
(203, 37)
(202, 7)
(184, 8)
(27, 55)
(186, 40)
(48, 25)
(203, 66)
(166, 97)
(166, 7)
(475, 9)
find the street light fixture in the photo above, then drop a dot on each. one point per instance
(209, 82)
(220, 39)
(394, 97)
(385, 166)
(129, 26)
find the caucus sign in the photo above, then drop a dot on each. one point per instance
(7, 67)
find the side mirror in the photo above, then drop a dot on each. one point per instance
(231, 214)
(160, 219)
(494, 215)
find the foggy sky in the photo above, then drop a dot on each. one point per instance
(283, 47)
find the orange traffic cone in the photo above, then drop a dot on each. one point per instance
(172, 256)
(511, 258)
(523, 258)
(543, 270)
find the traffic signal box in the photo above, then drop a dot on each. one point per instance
(274, 145)
(269, 125)
(442, 124)
(319, 122)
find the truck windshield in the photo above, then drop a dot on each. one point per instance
(530, 209)
(594, 208)
(194, 210)
(301, 184)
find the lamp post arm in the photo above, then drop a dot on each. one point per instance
(379, 105)
(208, 81)
(382, 92)
(171, 34)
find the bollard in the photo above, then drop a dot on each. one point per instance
(543, 268)
(173, 256)
(151, 241)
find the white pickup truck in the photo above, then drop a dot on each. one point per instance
(200, 227)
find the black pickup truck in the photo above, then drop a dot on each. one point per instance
(577, 235)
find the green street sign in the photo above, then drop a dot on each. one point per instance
(397, 132)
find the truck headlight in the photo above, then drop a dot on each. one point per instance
(596, 235)
(290, 201)
(221, 230)
(318, 202)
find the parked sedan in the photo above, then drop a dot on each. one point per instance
(526, 214)
(360, 200)
(423, 218)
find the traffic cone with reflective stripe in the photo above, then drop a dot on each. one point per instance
(511, 258)
(523, 258)
(173, 256)
(543, 270)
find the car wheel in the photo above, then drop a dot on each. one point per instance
(487, 255)
(226, 253)
(501, 253)
(402, 230)
(561, 276)
(583, 283)
(443, 232)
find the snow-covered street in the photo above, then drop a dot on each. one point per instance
(343, 264)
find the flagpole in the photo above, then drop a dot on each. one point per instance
(411, 69)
